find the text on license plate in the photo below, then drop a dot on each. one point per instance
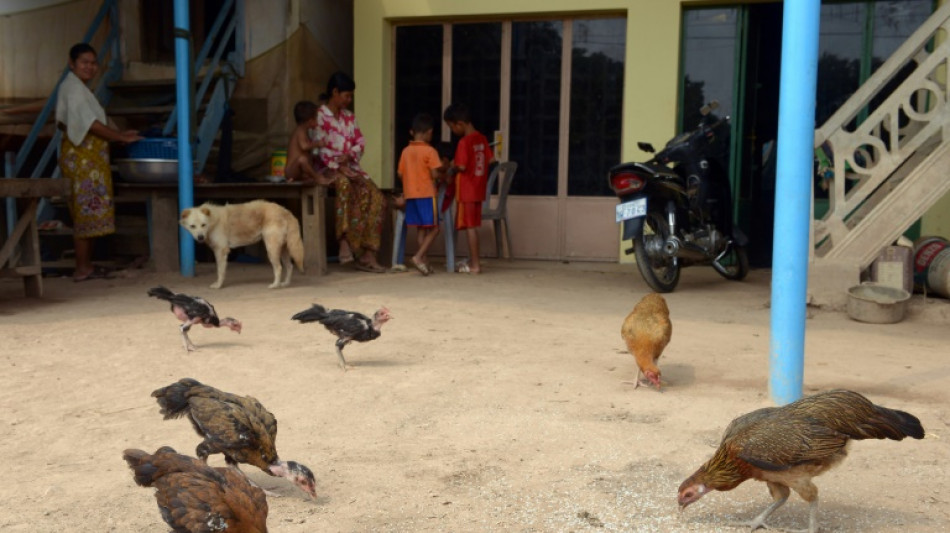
(633, 209)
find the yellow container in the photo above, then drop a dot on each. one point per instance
(278, 160)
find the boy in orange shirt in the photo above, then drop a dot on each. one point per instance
(418, 169)
(472, 157)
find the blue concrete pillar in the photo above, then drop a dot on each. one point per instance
(183, 89)
(796, 125)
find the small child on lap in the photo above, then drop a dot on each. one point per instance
(299, 154)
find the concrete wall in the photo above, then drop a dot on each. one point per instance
(34, 46)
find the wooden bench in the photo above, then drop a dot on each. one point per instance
(27, 263)
(162, 199)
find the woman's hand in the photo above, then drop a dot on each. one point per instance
(129, 136)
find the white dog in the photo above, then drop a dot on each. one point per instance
(223, 227)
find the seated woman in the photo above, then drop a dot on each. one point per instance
(359, 202)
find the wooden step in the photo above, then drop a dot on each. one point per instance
(142, 85)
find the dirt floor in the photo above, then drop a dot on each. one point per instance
(491, 402)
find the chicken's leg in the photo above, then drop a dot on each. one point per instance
(340, 343)
(780, 495)
(636, 383)
(185, 326)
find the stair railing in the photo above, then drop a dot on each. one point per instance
(912, 117)
(227, 25)
(109, 50)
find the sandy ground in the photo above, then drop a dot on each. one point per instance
(491, 403)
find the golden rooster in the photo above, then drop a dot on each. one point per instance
(647, 330)
(787, 446)
(195, 498)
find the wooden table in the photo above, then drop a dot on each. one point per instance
(26, 263)
(163, 214)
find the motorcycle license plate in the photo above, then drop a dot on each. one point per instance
(633, 209)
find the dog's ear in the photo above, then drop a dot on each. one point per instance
(206, 211)
(185, 213)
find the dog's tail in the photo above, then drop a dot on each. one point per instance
(295, 243)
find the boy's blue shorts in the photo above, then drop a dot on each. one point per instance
(421, 212)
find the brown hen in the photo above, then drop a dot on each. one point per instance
(787, 446)
(195, 498)
(647, 331)
(237, 426)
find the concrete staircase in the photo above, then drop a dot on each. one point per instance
(890, 152)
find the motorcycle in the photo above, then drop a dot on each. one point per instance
(677, 206)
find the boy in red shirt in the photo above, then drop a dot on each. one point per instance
(419, 167)
(472, 157)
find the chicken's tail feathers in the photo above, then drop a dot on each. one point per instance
(143, 464)
(160, 292)
(173, 399)
(316, 313)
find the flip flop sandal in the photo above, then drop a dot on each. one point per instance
(369, 268)
(98, 272)
(421, 267)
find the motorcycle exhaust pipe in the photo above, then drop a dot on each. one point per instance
(674, 247)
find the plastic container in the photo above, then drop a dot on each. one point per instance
(894, 267)
(278, 161)
(932, 265)
(154, 148)
(877, 304)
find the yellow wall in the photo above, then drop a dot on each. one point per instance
(650, 78)
(652, 54)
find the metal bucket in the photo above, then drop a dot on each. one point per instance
(894, 268)
(932, 265)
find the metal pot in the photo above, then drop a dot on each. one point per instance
(148, 170)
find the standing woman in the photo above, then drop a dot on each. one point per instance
(84, 158)
(359, 202)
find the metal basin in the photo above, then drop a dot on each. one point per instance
(877, 304)
(148, 170)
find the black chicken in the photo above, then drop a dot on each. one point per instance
(348, 326)
(237, 426)
(193, 497)
(193, 310)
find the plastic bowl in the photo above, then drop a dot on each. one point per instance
(877, 304)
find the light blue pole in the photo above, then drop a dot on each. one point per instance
(796, 135)
(183, 88)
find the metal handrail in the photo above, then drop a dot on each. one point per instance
(227, 14)
(114, 71)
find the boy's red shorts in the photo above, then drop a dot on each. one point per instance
(468, 215)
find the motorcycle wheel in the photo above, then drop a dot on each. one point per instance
(661, 273)
(734, 265)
